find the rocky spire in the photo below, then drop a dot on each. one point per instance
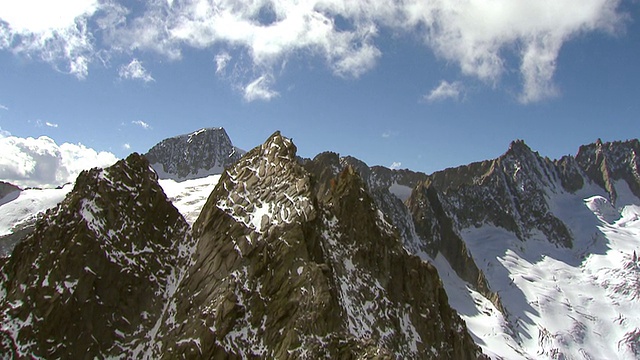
(282, 271)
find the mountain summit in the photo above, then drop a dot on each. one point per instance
(198, 154)
(281, 272)
(94, 276)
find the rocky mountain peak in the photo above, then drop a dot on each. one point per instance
(282, 271)
(198, 154)
(96, 270)
(278, 148)
(267, 186)
(518, 147)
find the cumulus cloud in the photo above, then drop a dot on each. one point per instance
(395, 165)
(4, 133)
(445, 90)
(480, 35)
(135, 71)
(142, 124)
(29, 162)
(485, 39)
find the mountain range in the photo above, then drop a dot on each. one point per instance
(200, 250)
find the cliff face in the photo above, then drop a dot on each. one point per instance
(604, 163)
(93, 277)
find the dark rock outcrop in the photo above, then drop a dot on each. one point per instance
(94, 276)
(604, 163)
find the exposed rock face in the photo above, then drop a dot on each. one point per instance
(94, 276)
(201, 153)
(603, 163)
(421, 221)
(508, 192)
(288, 269)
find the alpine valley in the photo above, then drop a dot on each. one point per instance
(199, 250)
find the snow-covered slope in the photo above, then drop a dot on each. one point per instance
(536, 255)
(27, 205)
(19, 210)
(561, 259)
(575, 303)
(189, 196)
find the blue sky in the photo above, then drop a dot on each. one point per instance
(413, 84)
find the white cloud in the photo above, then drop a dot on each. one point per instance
(389, 133)
(480, 35)
(126, 146)
(445, 90)
(142, 124)
(222, 60)
(2, 107)
(485, 39)
(259, 89)
(40, 123)
(395, 165)
(4, 133)
(54, 31)
(29, 162)
(135, 71)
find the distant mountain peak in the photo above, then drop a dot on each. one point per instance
(518, 148)
(606, 162)
(201, 153)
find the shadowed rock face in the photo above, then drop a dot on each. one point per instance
(203, 152)
(7, 189)
(283, 270)
(508, 192)
(92, 279)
